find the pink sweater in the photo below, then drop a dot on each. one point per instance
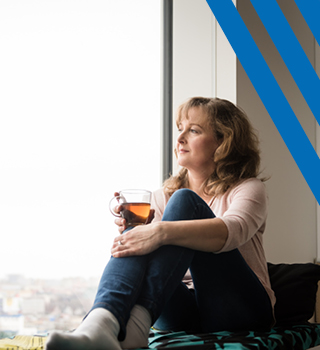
(244, 211)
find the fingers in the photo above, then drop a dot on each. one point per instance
(119, 248)
(117, 243)
(125, 244)
(117, 209)
(121, 223)
(151, 216)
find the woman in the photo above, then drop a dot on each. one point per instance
(199, 265)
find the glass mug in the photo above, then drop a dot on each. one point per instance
(135, 206)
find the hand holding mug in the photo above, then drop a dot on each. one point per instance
(133, 206)
(120, 222)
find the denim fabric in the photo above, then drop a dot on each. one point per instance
(227, 296)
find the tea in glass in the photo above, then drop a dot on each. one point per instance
(135, 206)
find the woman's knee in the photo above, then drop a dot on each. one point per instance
(183, 194)
(184, 199)
(185, 204)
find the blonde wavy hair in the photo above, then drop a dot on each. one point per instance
(237, 157)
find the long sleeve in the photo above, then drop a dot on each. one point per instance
(244, 211)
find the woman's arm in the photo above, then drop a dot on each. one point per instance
(208, 235)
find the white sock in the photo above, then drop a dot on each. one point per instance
(138, 328)
(98, 331)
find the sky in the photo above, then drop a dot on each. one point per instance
(79, 120)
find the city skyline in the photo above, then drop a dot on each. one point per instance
(29, 306)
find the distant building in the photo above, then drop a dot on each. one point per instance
(16, 279)
(33, 306)
(11, 306)
(13, 323)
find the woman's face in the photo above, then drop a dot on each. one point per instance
(196, 143)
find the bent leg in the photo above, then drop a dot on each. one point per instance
(164, 272)
(147, 280)
(228, 293)
(181, 312)
(150, 280)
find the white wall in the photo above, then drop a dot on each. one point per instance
(194, 51)
(203, 68)
(204, 63)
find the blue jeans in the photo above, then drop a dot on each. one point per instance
(227, 295)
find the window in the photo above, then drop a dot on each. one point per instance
(79, 119)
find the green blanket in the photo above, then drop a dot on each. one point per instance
(298, 337)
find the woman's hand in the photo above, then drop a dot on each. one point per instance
(120, 222)
(140, 240)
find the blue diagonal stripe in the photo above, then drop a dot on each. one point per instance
(291, 52)
(310, 10)
(269, 91)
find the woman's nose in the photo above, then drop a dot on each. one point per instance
(181, 138)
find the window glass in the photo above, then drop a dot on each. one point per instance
(79, 119)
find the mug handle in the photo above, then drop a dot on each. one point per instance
(112, 205)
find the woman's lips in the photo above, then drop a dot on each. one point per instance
(183, 151)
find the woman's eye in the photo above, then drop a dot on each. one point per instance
(194, 131)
